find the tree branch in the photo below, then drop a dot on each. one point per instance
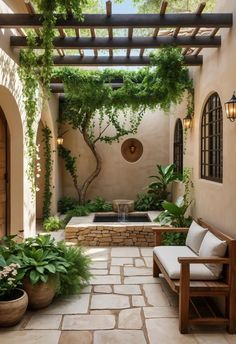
(100, 134)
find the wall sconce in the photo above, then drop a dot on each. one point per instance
(230, 108)
(187, 121)
(60, 140)
(132, 148)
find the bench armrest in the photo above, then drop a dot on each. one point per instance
(158, 231)
(203, 260)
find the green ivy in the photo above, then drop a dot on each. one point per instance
(47, 194)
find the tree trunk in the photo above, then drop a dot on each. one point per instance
(89, 180)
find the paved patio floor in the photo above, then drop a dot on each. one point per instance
(123, 305)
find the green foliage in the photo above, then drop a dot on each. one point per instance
(145, 202)
(158, 189)
(53, 223)
(80, 210)
(67, 203)
(99, 204)
(47, 194)
(188, 184)
(77, 275)
(70, 162)
(9, 277)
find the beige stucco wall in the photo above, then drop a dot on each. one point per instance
(119, 178)
(214, 202)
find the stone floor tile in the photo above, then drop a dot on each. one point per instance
(106, 289)
(148, 261)
(161, 312)
(109, 301)
(127, 289)
(130, 319)
(30, 337)
(99, 272)
(138, 301)
(130, 271)
(167, 331)
(121, 261)
(86, 290)
(78, 337)
(98, 253)
(141, 280)
(88, 322)
(155, 295)
(99, 265)
(44, 322)
(110, 279)
(147, 251)
(115, 270)
(125, 252)
(231, 338)
(119, 337)
(74, 304)
(103, 312)
(139, 262)
(211, 338)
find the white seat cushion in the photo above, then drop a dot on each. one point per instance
(195, 236)
(168, 256)
(213, 247)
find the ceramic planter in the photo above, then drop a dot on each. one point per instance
(40, 294)
(12, 311)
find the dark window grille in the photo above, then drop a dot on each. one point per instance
(212, 140)
(178, 147)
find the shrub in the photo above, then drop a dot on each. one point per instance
(145, 202)
(99, 204)
(80, 210)
(53, 223)
(67, 203)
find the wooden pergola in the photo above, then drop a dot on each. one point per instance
(190, 31)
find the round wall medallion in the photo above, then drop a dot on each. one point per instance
(132, 150)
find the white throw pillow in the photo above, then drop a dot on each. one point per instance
(195, 236)
(213, 247)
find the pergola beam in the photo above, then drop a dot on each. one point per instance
(116, 61)
(121, 20)
(123, 42)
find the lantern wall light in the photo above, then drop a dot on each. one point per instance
(187, 121)
(230, 108)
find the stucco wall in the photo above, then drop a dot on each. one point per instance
(215, 202)
(119, 178)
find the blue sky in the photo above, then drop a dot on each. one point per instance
(125, 7)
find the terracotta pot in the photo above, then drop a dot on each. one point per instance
(40, 294)
(12, 311)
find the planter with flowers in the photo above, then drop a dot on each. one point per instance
(13, 300)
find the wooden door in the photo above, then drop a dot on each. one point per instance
(3, 174)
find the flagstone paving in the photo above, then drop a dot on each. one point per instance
(123, 304)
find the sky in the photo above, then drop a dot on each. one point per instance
(125, 7)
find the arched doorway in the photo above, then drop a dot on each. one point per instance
(4, 175)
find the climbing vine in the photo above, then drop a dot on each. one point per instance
(47, 194)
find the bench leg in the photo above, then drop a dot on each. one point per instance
(184, 297)
(156, 269)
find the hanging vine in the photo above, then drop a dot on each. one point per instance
(47, 194)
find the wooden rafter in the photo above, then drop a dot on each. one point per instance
(110, 31)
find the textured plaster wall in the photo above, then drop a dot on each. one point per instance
(215, 202)
(119, 178)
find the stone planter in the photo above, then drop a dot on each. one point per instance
(40, 294)
(12, 311)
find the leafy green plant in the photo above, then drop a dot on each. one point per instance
(41, 259)
(67, 203)
(145, 202)
(99, 204)
(53, 223)
(159, 189)
(77, 275)
(47, 194)
(80, 210)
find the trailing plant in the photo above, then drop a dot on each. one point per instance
(70, 164)
(53, 223)
(99, 204)
(47, 194)
(90, 99)
(67, 203)
(77, 275)
(145, 202)
(188, 184)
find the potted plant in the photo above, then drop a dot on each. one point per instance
(13, 300)
(41, 265)
(54, 226)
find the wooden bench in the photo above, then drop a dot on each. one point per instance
(187, 289)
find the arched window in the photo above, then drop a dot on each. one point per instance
(212, 140)
(178, 146)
